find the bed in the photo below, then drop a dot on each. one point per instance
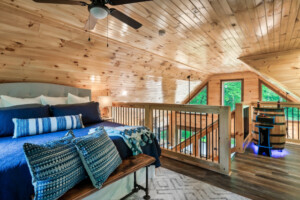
(15, 178)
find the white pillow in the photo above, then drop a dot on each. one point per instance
(53, 100)
(8, 101)
(0, 103)
(72, 99)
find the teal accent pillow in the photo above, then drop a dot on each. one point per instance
(55, 167)
(99, 155)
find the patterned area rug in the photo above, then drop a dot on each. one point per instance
(169, 185)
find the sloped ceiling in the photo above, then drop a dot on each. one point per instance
(281, 66)
(43, 42)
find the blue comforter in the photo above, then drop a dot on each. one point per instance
(15, 179)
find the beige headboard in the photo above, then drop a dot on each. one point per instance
(26, 90)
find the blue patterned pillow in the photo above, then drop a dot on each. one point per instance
(55, 167)
(99, 155)
(35, 126)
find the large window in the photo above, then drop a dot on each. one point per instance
(232, 93)
(269, 95)
(201, 97)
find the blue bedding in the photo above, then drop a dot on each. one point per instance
(15, 179)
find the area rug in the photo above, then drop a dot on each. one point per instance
(169, 185)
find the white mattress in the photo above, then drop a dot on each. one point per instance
(122, 187)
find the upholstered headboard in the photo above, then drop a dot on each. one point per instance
(26, 90)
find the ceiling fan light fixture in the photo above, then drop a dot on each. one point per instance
(99, 12)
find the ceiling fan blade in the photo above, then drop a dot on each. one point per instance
(90, 23)
(125, 19)
(120, 2)
(69, 2)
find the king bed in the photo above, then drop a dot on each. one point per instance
(15, 177)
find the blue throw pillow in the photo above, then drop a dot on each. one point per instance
(36, 126)
(90, 111)
(99, 155)
(55, 167)
(20, 112)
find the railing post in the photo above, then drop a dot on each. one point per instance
(225, 140)
(239, 127)
(149, 117)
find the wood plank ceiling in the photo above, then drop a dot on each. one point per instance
(43, 42)
(282, 66)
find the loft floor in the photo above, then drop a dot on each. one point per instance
(253, 176)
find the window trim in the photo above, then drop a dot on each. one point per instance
(261, 82)
(196, 93)
(231, 80)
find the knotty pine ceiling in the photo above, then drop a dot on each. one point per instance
(44, 42)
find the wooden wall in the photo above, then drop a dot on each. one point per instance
(250, 80)
(251, 87)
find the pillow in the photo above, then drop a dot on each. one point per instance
(55, 167)
(0, 103)
(36, 126)
(72, 99)
(99, 155)
(8, 101)
(20, 112)
(53, 100)
(90, 111)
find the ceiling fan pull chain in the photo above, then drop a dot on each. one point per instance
(107, 33)
(89, 28)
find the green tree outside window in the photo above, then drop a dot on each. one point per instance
(200, 98)
(293, 114)
(270, 95)
(232, 93)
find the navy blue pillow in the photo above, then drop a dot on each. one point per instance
(90, 111)
(20, 112)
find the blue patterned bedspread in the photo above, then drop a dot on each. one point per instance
(15, 179)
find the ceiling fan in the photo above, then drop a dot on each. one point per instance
(98, 10)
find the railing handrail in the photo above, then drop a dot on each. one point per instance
(174, 107)
(274, 103)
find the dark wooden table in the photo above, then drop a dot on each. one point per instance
(128, 166)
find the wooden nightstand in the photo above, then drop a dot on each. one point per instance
(110, 119)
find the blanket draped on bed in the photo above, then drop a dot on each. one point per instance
(134, 136)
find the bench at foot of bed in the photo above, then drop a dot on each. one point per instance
(128, 166)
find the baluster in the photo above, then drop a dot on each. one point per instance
(212, 135)
(206, 135)
(195, 136)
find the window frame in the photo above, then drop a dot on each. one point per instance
(231, 80)
(196, 93)
(261, 82)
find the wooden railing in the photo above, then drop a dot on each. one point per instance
(242, 127)
(195, 134)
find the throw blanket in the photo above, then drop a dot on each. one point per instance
(134, 136)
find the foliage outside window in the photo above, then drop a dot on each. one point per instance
(200, 98)
(269, 95)
(231, 93)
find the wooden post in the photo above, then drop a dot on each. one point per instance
(225, 140)
(149, 117)
(239, 127)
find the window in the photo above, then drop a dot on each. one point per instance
(269, 95)
(201, 97)
(232, 93)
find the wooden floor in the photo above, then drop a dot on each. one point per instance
(253, 176)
